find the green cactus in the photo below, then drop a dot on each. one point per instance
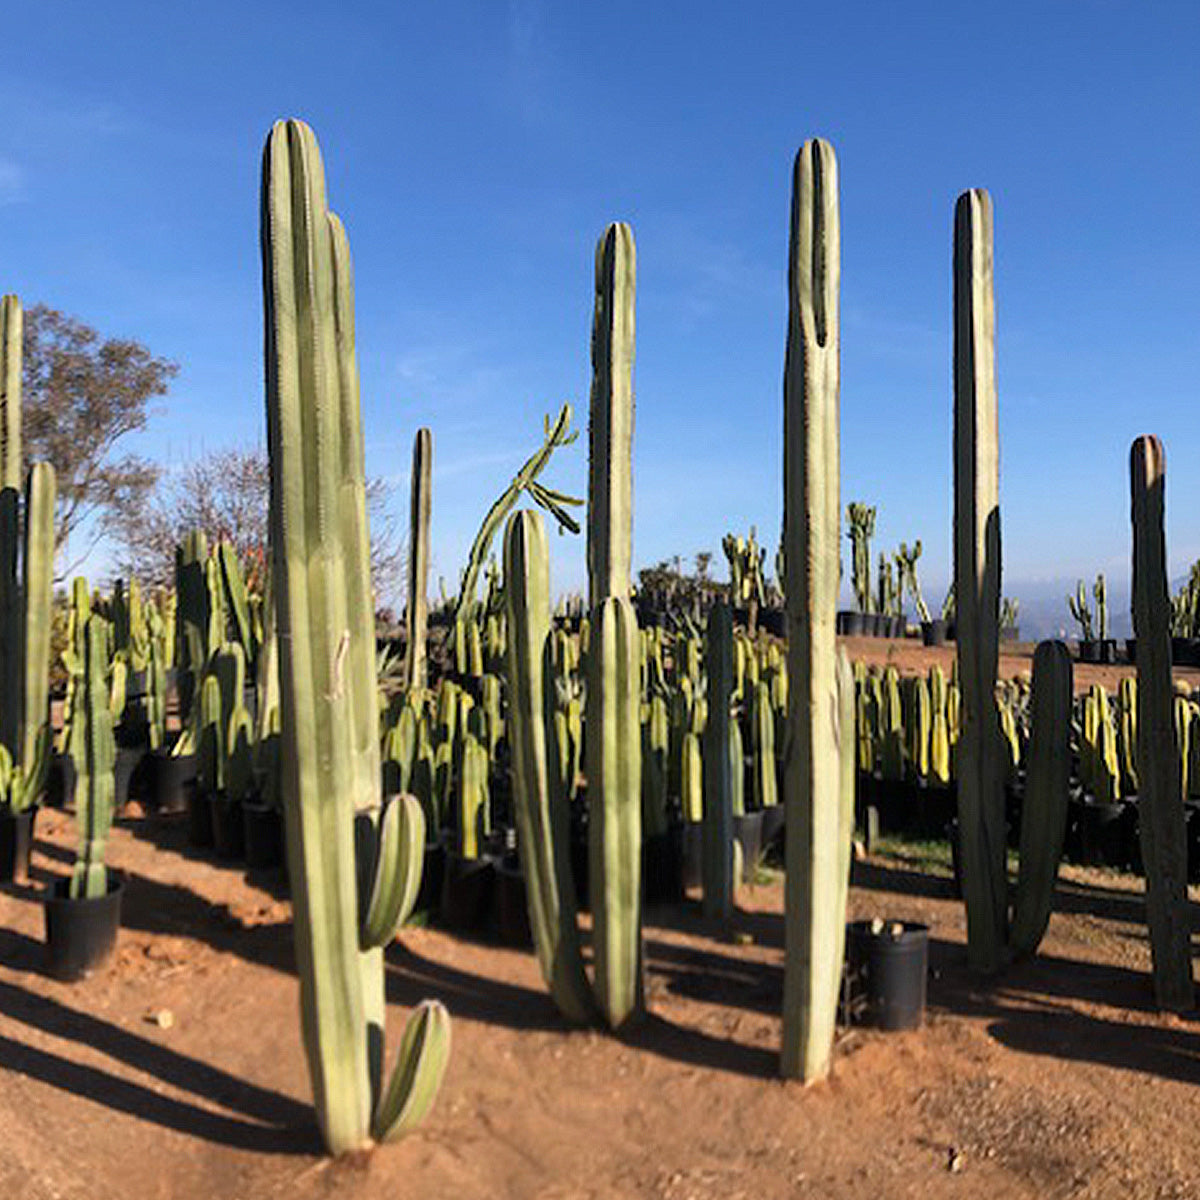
(1078, 604)
(766, 782)
(719, 767)
(1160, 809)
(239, 751)
(1047, 781)
(906, 562)
(329, 716)
(980, 765)
(93, 747)
(417, 609)
(861, 520)
(1101, 594)
(819, 778)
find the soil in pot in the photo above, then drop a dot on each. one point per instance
(16, 842)
(229, 828)
(262, 835)
(81, 934)
(888, 963)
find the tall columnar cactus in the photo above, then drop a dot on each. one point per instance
(613, 747)
(861, 519)
(1164, 846)
(191, 558)
(419, 509)
(34, 652)
(540, 792)
(719, 767)
(11, 326)
(329, 715)
(818, 832)
(980, 766)
(93, 747)
(1047, 780)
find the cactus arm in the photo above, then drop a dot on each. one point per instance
(396, 875)
(541, 807)
(815, 885)
(418, 1073)
(977, 583)
(1161, 805)
(1044, 814)
(420, 506)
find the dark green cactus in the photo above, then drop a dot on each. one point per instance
(93, 747)
(821, 748)
(719, 767)
(329, 713)
(1160, 808)
(419, 509)
(34, 647)
(1047, 781)
(980, 764)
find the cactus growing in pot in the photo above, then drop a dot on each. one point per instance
(329, 747)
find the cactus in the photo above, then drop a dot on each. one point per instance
(1101, 594)
(192, 617)
(1164, 846)
(980, 764)
(719, 768)
(613, 746)
(417, 611)
(539, 789)
(473, 824)
(766, 783)
(93, 747)
(1044, 815)
(1078, 604)
(239, 752)
(861, 520)
(235, 601)
(817, 779)
(329, 746)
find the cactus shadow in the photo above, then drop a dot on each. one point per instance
(269, 1121)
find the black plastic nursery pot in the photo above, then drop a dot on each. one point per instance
(773, 621)
(171, 778)
(850, 624)
(1089, 650)
(229, 828)
(128, 760)
(16, 842)
(662, 866)
(747, 830)
(81, 934)
(200, 818)
(888, 968)
(468, 892)
(512, 904)
(60, 781)
(429, 896)
(936, 807)
(774, 821)
(693, 854)
(1103, 833)
(933, 633)
(262, 835)
(1131, 650)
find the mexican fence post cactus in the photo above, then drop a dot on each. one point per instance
(542, 809)
(1047, 780)
(93, 747)
(11, 326)
(980, 766)
(613, 747)
(719, 768)
(1160, 808)
(419, 508)
(34, 650)
(329, 746)
(818, 832)
(1101, 593)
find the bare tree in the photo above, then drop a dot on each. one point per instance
(226, 493)
(81, 395)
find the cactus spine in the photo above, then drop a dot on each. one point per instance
(329, 717)
(817, 829)
(420, 505)
(613, 746)
(980, 765)
(1160, 808)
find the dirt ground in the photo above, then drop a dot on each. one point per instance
(1056, 1080)
(177, 1071)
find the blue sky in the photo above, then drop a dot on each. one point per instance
(476, 151)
